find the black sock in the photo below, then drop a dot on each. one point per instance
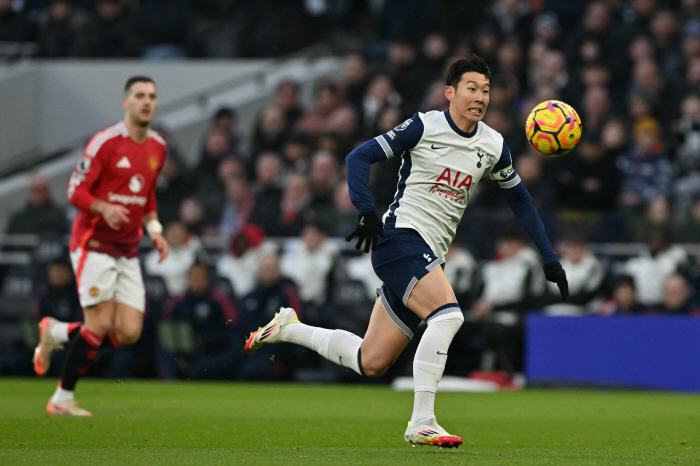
(80, 353)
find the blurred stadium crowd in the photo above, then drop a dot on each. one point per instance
(280, 199)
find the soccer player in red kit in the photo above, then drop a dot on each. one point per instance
(113, 187)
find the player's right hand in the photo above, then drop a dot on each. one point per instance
(115, 215)
(369, 229)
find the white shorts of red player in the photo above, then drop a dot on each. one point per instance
(102, 277)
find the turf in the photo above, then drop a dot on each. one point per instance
(160, 423)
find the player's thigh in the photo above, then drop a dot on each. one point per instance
(128, 323)
(96, 277)
(383, 342)
(432, 291)
(130, 296)
(129, 287)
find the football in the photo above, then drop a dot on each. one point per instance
(553, 128)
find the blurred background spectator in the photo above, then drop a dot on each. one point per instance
(40, 216)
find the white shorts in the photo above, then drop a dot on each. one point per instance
(102, 277)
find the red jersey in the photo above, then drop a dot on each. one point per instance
(116, 169)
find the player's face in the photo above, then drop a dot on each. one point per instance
(471, 97)
(139, 102)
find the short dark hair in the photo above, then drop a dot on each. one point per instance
(137, 79)
(464, 65)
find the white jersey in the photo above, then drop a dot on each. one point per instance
(441, 167)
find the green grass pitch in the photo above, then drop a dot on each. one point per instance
(160, 423)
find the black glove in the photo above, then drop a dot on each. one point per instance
(554, 273)
(369, 227)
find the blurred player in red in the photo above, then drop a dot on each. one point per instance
(114, 188)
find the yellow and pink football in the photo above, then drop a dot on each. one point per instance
(553, 128)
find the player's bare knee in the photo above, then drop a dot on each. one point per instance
(127, 336)
(375, 368)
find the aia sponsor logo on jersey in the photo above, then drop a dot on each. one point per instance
(451, 189)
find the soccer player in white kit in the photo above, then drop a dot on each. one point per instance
(445, 154)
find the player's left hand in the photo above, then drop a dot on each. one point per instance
(369, 229)
(161, 246)
(554, 273)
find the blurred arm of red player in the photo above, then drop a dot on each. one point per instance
(154, 228)
(158, 240)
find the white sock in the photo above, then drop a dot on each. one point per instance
(61, 395)
(337, 346)
(59, 332)
(430, 359)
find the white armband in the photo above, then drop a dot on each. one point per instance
(153, 227)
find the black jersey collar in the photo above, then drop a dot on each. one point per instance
(456, 129)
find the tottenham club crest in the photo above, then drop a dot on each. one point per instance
(480, 155)
(404, 125)
(136, 183)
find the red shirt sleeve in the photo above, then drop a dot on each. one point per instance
(151, 203)
(86, 173)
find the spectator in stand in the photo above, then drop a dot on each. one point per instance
(224, 121)
(310, 263)
(356, 79)
(63, 29)
(267, 192)
(678, 297)
(500, 308)
(259, 307)
(214, 322)
(657, 215)
(40, 216)
(245, 252)
(688, 229)
(380, 94)
(287, 100)
(296, 152)
(623, 299)
(664, 30)
(434, 98)
(171, 186)
(686, 154)
(270, 132)
(462, 271)
(645, 169)
(595, 109)
(205, 183)
(113, 30)
(295, 207)
(585, 274)
(240, 203)
(323, 177)
(653, 266)
(587, 179)
(193, 216)
(13, 24)
(331, 112)
(342, 216)
(185, 251)
(58, 298)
